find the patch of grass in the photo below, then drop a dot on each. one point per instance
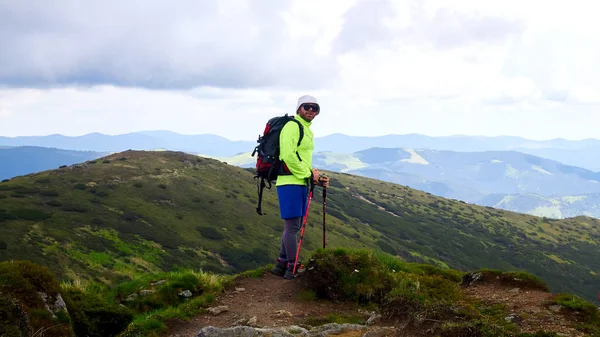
(583, 311)
(170, 292)
(255, 273)
(417, 293)
(520, 279)
(166, 301)
(306, 295)
(95, 309)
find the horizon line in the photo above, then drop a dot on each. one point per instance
(327, 135)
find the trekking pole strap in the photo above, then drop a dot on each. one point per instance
(261, 188)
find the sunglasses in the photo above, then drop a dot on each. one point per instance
(308, 107)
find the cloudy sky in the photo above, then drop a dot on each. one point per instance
(526, 68)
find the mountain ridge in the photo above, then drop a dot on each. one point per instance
(176, 210)
(587, 150)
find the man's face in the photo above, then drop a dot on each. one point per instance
(308, 111)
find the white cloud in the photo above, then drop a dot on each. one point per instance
(433, 67)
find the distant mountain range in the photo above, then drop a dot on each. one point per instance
(504, 179)
(18, 161)
(551, 207)
(148, 140)
(555, 178)
(582, 153)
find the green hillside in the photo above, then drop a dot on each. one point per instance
(136, 212)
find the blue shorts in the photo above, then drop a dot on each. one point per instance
(292, 200)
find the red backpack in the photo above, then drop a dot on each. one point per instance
(268, 165)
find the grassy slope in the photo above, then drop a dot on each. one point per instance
(154, 211)
(423, 299)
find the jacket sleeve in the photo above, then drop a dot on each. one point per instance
(288, 141)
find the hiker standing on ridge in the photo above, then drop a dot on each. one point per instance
(293, 190)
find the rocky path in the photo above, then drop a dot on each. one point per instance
(273, 302)
(273, 306)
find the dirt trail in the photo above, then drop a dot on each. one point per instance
(274, 302)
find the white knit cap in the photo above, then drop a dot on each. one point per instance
(306, 99)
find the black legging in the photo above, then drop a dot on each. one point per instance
(289, 240)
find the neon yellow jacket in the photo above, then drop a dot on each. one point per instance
(288, 141)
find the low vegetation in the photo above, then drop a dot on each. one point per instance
(33, 301)
(420, 297)
(431, 299)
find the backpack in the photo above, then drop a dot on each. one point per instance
(268, 165)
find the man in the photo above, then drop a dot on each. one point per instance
(292, 190)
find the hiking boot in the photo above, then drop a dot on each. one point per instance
(280, 268)
(289, 272)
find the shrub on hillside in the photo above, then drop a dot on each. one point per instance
(515, 278)
(79, 186)
(13, 318)
(348, 275)
(31, 214)
(54, 203)
(36, 289)
(93, 317)
(49, 193)
(27, 190)
(335, 183)
(587, 312)
(335, 213)
(6, 215)
(74, 208)
(386, 247)
(394, 286)
(210, 233)
(129, 216)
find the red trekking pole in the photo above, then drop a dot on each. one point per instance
(324, 208)
(312, 188)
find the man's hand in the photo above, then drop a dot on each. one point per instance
(319, 179)
(323, 181)
(316, 176)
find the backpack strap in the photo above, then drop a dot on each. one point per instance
(301, 127)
